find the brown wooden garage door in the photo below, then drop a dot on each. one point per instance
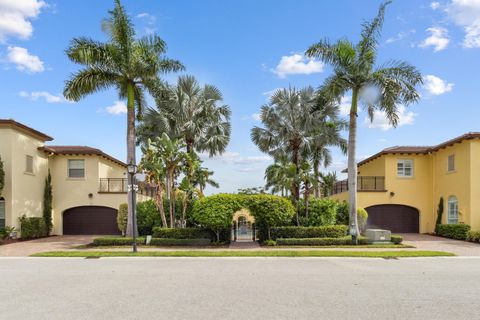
(90, 220)
(396, 218)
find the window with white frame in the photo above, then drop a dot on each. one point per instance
(405, 168)
(29, 164)
(76, 168)
(452, 210)
(451, 163)
(2, 213)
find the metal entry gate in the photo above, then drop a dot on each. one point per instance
(243, 230)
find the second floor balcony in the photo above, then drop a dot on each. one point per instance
(364, 183)
(120, 185)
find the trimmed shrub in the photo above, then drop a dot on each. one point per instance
(148, 217)
(270, 243)
(396, 239)
(362, 216)
(453, 231)
(309, 232)
(216, 212)
(32, 227)
(439, 214)
(343, 214)
(473, 236)
(269, 211)
(180, 242)
(116, 241)
(122, 218)
(343, 241)
(322, 212)
(186, 233)
(122, 241)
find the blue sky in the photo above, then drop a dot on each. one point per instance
(246, 48)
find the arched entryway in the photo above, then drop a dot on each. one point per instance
(394, 217)
(91, 220)
(243, 226)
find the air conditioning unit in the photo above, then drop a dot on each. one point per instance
(378, 235)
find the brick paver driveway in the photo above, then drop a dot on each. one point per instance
(26, 248)
(428, 242)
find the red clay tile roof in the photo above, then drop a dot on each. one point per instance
(421, 149)
(32, 132)
(79, 150)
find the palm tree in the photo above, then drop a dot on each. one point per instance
(279, 177)
(292, 128)
(129, 65)
(355, 69)
(202, 178)
(327, 182)
(193, 113)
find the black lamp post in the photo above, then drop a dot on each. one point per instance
(132, 170)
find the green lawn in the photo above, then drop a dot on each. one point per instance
(260, 253)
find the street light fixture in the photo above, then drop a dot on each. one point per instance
(132, 170)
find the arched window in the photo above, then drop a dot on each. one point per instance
(452, 210)
(2, 212)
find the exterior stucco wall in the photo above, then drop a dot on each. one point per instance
(24, 191)
(74, 192)
(474, 211)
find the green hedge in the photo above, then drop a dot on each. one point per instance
(122, 241)
(180, 242)
(33, 227)
(453, 231)
(343, 241)
(309, 232)
(473, 236)
(322, 212)
(185, 233)
(396, 239)
(116, 241)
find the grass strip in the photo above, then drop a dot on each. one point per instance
(260, 253)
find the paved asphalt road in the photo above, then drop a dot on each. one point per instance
(239, 288)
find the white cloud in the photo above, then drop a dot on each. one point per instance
(435, 5)
(23, 60)
(297, 64)
(380, 120)
(466, 14)
(256, 117)
(47, 96)
(435, 85)
(147, 16)
(117, 108)
(438, 39)
(345, 105)
(401, 35)
(15, 18)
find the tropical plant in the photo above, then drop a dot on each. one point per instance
(132, 66)
(327, 182)
(202, 178)
(192, 113)
(439, 214)
(122, 218)
(47, 203)
(355, 70)
(293, 129)
(279, 177)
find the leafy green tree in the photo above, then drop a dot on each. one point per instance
(327, 182)
(279, 177)
(192, 113)
(122, 218)
(132, 66)
(202, 178)
(2, 176)
(47, 203)
(355, 70)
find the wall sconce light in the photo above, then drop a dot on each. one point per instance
(392, 193)
(90, 195)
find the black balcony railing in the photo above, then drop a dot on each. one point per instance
(364, 183)
(120, 185)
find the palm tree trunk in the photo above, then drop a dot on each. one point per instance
(296, 187)
(316, 175)
(161, 209)
(184, 208)
(352, 166)
(130, 156)
(171, 200)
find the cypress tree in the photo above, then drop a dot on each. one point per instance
(47, 204)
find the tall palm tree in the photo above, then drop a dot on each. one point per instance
(327, 181)
(202, 178)
(193, 113)
(355, 69)
(129, 65)
(292, 128)
(279, 177)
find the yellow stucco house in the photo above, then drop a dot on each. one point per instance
(401, 187)
(88, 185)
